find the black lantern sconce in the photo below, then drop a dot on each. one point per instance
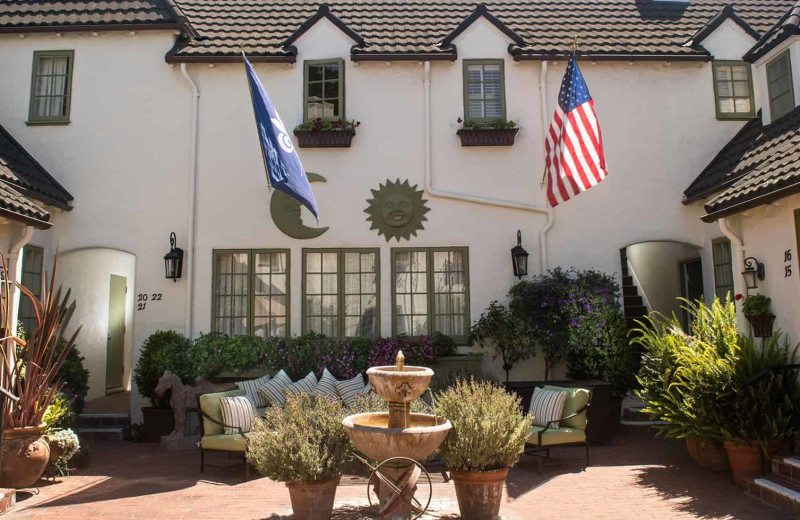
(519, 258)
(173, 261)
(753, 271)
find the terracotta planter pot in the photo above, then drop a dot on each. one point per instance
(157, 422)
(25, 456)
(707, 453)
(761, 324)
(479, 493)
(746, 462)
(324, 138)
(487, 136)
(313, 500)
(55, 451)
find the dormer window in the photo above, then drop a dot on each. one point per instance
(779, 86)
(323, 90)
(733, 89)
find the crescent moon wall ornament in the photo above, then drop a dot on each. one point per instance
(285, 212)
(397, 210)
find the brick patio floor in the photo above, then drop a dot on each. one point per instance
(637, 478)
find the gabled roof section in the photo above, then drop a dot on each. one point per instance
(759, 165)
(86, 15)
(727, 13)
(24, 173)
(482, 11)
(780, 32)
(15, 206)
(324, 11)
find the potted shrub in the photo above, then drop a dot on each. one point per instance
(500, 330)
(304, 445)
(756, 308)
(488, 436)
(162, 351)
(32, 368)
(498, 132)
(326, 133)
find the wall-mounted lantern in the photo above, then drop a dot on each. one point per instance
(519, 258)
(173, 261)
(753, 271)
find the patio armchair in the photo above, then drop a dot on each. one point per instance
(570, 430)
(212, 429)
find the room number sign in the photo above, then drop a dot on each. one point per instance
(143, 298)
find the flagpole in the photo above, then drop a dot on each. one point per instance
(252, 100)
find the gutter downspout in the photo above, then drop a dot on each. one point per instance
(489, 201)
(14, 271)
(737, 258)
(192, 200)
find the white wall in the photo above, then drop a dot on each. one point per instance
(657, 268)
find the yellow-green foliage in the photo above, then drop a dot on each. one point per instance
(305, 441)
(371, 402)
(489, 428)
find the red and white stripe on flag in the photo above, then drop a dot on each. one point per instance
(574, 158)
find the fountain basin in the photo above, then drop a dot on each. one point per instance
(399, 385)
(373, 437)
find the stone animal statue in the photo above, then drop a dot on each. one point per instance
(182, 397)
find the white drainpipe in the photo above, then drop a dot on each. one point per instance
(477, 199)
(14, 271)
(737, 259)
(192, 201)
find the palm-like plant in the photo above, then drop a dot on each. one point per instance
(30, 367)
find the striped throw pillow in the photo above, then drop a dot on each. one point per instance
(305, 385)
(547, 405)
(237, 411)
(251, 387)
(348, 390)
(273, 391)
(366, 390)
(326, 385)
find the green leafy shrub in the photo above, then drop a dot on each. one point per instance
(74, 378)
(60, 414)
(361, 347)
(214, 353)
(163, 351)
(756, 305)
(444, 345)
(495, 124)
(489, 428)
(305, 441)
(499, 329)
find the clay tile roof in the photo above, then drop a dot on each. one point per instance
(605, 28)
(20, 172)
(15, 206)
(38, 15)
(757, 166)
(787, 26)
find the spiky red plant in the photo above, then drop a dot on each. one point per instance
(30, 366)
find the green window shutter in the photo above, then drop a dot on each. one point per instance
(723, 268)
(484, 90)
(779, 85)
(32, 266)
(323, 89)
(341, 292)
(51, 87)
(251, 292)
(733, 90)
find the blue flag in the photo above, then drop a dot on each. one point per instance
(284, 170)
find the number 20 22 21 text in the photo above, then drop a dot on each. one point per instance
(142, 299)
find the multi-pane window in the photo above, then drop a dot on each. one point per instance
(733, 87)
(341, 292)
(484, 96)
(51, 87)
(779, 86)
(32, 262)
(723, 268)
(324, 89)
(430, 291)
(251, 292)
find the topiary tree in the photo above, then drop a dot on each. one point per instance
(162, 351)
(499, 329)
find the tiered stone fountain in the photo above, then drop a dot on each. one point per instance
(398, 433)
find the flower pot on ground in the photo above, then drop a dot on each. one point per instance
(32, 373)
(157, 422)
(488, 437)
(747, 460)
(326, 133)
(304, 445)
(707, 453)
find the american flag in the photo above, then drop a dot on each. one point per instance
(574, 159)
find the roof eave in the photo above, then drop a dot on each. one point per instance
(25, 219)
(521, 55)
(323, 11)
(405, 56)
(761, 200)
(233, 58)
(165, 26)
(482, 11)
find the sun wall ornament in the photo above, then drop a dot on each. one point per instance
(397, 210)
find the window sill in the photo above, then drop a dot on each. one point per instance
(47, 123)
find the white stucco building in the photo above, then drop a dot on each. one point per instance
(152, 132)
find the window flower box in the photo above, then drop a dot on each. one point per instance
(487, 133)
(326, 133)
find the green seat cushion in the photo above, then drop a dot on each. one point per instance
(576, 399)
(555, 436)
(209, 405)
(233, 442)
(261, 410)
